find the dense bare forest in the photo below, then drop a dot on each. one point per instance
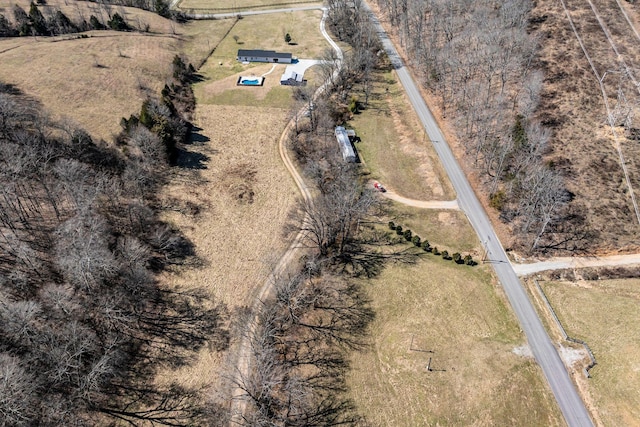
(84, 323)
(478, 58)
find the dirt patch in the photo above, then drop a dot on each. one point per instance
(572, 356)
(239, 180)
(524, 351)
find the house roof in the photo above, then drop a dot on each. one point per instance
(291, 75)
(265, 53)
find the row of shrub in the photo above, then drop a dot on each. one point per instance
(426, 246)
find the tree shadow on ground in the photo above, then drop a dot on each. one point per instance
(191, 160)
(198, 139)
(369, 254)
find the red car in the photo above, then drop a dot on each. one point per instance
(379, 187)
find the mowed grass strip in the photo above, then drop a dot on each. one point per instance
(456, 313)
(606, 315)
(394, 146)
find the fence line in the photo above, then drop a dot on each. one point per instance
(564, 333)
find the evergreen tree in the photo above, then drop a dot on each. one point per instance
(38, 23)
(118, 23)
(22, 21)
(95, 24)
(6, 29)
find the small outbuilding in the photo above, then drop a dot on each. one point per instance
(342, 135)
(257, 55)
(291, 78)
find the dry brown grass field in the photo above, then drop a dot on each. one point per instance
(606, 315)
(201, 36)
(245, 194)
(242, 187)
(456, 316)
(225, 6)
(92, 81)
(582, 143)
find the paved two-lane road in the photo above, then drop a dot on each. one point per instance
(571, 405)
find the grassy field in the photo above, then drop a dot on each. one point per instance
(606, 315)
(245, 194)
(201, 36)
(394, 146)
(458, 314)
(92, 81)
(224, 6)
(222, 70)
(446, 229)
(260, 32)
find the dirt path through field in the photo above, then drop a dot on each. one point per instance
(422, 204)
(243, 364)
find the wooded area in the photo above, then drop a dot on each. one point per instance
(45, 20)
(84, 322)
(478, 58)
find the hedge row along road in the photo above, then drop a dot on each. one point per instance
(569, 401)
(571, 405)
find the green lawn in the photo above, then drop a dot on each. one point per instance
(456, 312)
(606, 315)
(394, 146)
(447, 229)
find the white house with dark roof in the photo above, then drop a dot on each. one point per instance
(257, 55)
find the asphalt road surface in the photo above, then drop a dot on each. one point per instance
(577, 262)
(571, 405)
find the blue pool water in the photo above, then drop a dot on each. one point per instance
(250, 82)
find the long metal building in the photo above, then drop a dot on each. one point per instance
(348, 154)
